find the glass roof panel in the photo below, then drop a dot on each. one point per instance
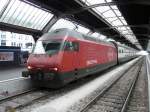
(125, 32)
(103, 37)
(128, 28)
(112, 15)
(95, 34)
(129, 31)
(117, 23)
(117, 12)
(109, 0)
(62, 23)
(8, 11)
(20, 13)
(124, 22)
(122, 28)
(38, 20)
(109, 13)
(30, 20)
(103, 9)
(97, 11)
(29, 17)
(45, 21)
(26, 15)
(94, 1)
(3, 4)
(14, 14)
(82, 29)
(121, 17)
(114, 7)
(112, 19)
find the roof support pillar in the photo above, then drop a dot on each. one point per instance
(19, 29)
(50, 23)
(35, 37)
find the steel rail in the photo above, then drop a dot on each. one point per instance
(32, 101)
(16, 95)
(20, 95)
(130, 91)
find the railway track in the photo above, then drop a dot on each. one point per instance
(139, 95)
(117, 97)
(22, 99)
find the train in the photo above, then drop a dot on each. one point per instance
(64, 55)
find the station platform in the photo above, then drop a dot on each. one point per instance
(11, 72)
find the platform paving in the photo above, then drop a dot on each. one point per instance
(11, 72)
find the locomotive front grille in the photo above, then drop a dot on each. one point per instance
(45, 76)
(49, 76)
(40, 76)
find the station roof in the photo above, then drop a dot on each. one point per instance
(136, 13)
(106, 17)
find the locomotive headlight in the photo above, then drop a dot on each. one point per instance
(29, 67)
(54, 69)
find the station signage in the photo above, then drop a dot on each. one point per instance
(6, 56)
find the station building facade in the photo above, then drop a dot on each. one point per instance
(25, 42)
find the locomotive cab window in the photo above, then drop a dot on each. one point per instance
(46, 47)
(52, 47)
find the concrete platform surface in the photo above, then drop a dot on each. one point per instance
(11, 72)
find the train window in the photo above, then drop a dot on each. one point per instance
(71, 46)
(52, 47)
(75, 46)
(38, 48)
(48, 47)
(68, 46)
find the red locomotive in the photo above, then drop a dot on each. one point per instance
(63, 55)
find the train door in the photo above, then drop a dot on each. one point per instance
(70, 56)
(76, 60)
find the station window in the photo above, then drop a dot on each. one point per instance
(3, 36)
(12, 43)
(119, 50)
(3, 42)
